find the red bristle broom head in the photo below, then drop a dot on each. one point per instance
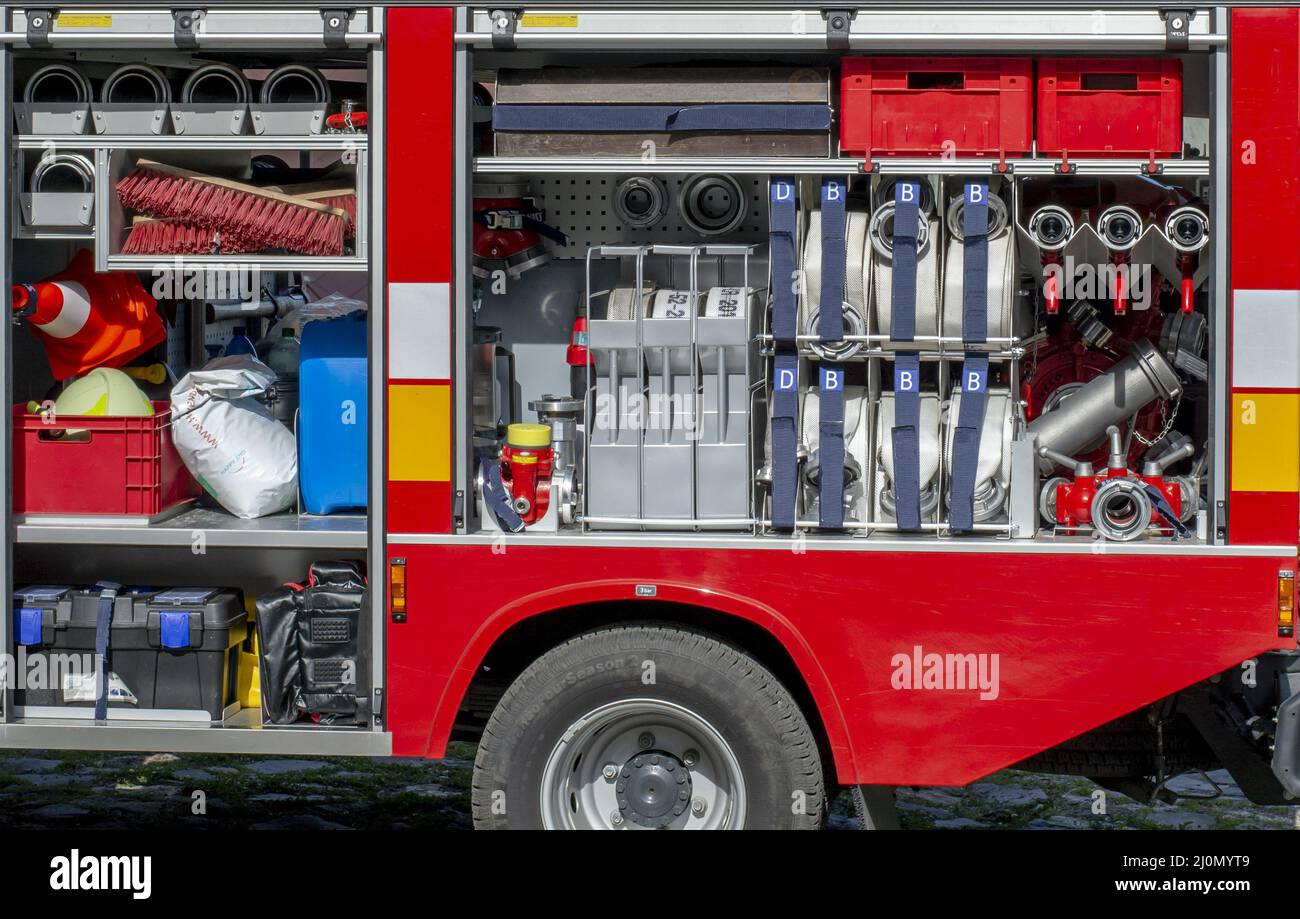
(261, 221)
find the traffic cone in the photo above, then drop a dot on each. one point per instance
(87, 319)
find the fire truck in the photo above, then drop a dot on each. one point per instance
(742, 402)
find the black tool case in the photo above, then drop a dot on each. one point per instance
(173, 649)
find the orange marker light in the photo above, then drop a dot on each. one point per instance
(397, 589)
(1286, 603)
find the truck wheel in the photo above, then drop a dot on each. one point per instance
(647, 727)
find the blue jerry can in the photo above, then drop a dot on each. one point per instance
(333, 425)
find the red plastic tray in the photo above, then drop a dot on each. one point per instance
(935, 105)
(118, 466)
(1110, 107)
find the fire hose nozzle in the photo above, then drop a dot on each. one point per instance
(1120, 227)
(1188, 229)
(1079, 467)
(1158, 466)
(1118, 455)
(1051, 227)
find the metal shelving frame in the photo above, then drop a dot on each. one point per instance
(227, 540)
(675, 28)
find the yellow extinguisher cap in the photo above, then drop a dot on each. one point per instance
(529, 435)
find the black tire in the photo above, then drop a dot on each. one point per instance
(744, 703)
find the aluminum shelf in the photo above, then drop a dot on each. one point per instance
(220, 530)
(1035, 166)
(1039, 30)
(191, 142)
(241, 733)
(265, 263)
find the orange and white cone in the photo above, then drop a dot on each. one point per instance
(86, 319)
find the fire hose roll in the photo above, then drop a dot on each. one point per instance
(1001, 284)
(216, 83)
(63, 172)
(671, 304)
(136, 84)
(857, 283)
(623, 302)
(929, 453)
(295, 84)
(854, 447)
(993, 466)
(727, 302)
(882, 271)
(1108, 399)
(57, 83)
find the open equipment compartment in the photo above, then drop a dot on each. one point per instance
(287, 122)
(1094, 270)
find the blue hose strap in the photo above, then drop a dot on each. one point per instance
(782, 255)
(907, 229)
(633, 119)
(966, 441)
(834, 259)
(830, 446)
(785, 441)
(975, 263)
(1160, 504)
(103, 628)
(906, 439)
(497, 497)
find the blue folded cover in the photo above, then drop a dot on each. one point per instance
(625, 119)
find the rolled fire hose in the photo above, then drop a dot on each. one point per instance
(727, 302)
(623, 302)
(136, 84)
(69, 173)
(1051, 228)
(929, 454)
(59, 84)
(857, 284)
(993, 470)
(216, 83)
(641, 201)
(886, 192)
(670, 304)
(999, 217)
(714, 303)
(1108, 399)
(711, 205)
(295, 84)
(1120, 227)
(855, 447)
(927, 276)
(1188, 229)
(1001, 289)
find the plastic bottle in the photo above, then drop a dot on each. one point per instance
(283, 357)
(240, 343)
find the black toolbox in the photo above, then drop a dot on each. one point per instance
(170, 648)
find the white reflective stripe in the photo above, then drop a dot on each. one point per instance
(1266, 339)
(419, 331)
(72, 317)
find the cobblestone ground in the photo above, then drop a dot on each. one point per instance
(108, 790)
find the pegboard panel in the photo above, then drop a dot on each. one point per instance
(582, 207)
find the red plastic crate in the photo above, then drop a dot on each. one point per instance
(935, 105)
(120, 466)
(1110, 107)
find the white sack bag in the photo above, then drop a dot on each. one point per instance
(230, 441)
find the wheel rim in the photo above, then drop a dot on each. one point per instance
(626, 765)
